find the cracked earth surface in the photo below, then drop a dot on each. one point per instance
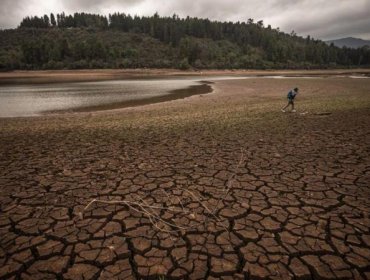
(288, 205)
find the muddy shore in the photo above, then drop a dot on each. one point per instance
(64, 76)
(242, 190)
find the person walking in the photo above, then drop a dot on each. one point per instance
(291, 95)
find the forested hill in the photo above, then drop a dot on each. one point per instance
(122, 41)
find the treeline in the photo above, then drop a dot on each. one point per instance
(121, 41)
(65, 21)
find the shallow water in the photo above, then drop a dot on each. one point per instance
(34, 100)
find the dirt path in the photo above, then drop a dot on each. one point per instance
(280, 196)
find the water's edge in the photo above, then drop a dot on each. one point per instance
(167, 92)
(204, 88)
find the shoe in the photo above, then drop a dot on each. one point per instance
(294, 111)
(283, 110)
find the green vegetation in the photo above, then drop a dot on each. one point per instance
(83, 41)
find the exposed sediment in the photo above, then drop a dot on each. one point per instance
(289, 193)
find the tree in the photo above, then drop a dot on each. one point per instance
(52, 20)
(46, 21)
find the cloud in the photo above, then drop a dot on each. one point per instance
(99, 6)
(319, 18)
(327, 19)
(9, 12)
(12, 11)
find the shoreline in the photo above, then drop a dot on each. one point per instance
(204, 87)
(71, 76)
(195, 90)
(64, 177)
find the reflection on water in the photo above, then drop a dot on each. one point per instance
(33, 100)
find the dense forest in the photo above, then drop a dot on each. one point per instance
(83, 41)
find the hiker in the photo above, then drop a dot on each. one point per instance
(291, 95)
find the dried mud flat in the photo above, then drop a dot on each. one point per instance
(222, 185)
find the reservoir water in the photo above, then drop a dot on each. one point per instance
(35, 100)
(39, 99)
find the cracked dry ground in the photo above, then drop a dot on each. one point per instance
(289, 201)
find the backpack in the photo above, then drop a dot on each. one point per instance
(290, 95)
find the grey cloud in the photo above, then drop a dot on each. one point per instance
(99, 5)
(329, 21)
(10, 11)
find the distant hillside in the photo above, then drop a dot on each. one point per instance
(85, 41)
(349, 42)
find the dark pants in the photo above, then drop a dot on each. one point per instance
(290, 102)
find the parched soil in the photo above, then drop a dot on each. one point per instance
(222, 185)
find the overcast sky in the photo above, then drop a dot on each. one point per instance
(322, 19)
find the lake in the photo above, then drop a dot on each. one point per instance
(35, 100)
(39, 99)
